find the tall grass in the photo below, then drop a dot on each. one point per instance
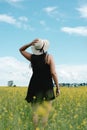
(69, 110)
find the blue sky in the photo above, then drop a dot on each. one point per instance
(63, 23)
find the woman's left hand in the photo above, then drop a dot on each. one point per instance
(57, 92)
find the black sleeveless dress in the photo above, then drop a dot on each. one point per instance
(41, 84)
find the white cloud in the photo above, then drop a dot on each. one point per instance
(9, 19)
(80, 30)
(23, 18)
(20, 72)
(83, 11)
(13, 69)
(51, 11)
(15, 3)
(42, 22)
(54, 12)
(20, 22)
(72, 73)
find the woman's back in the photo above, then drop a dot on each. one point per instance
(40, 66)
(41, 71)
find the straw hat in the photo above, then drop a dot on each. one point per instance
(40, 47)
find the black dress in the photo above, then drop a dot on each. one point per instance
(41, 85)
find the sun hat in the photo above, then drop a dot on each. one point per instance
(40, 47)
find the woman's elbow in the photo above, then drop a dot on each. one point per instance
(53, 74)
(20, 50)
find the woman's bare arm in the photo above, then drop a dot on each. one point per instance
(23, 51)
(54, 74)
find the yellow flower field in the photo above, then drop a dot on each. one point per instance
(69, 110)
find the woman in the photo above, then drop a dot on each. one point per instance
(41, 83)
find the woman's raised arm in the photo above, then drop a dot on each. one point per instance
(23, 51)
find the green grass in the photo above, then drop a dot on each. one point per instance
(69, 110)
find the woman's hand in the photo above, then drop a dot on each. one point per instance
(57, 92)
(35, 41)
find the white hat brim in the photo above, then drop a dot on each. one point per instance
(45, 48)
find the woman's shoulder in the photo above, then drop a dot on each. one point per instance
(48, 58)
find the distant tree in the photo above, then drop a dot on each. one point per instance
(14, 85)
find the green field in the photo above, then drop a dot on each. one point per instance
(69, 110)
